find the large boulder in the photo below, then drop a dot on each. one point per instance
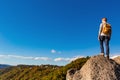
(98, 68)
(117, 59)
(70, 73)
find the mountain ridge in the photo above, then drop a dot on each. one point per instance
(4, 66)
(42, 72)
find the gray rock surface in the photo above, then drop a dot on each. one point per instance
(98, 68)
(70, 73)
(117, 59)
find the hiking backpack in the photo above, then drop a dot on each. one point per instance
(106, 28)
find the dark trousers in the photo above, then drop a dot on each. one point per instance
(104, 40)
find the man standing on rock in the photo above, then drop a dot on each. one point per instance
(104, 36)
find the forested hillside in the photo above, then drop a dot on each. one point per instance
(42, 72)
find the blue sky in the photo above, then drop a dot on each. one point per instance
(54, 31)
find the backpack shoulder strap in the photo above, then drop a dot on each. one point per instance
(102, 27)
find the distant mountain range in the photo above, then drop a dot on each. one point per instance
(4, 66)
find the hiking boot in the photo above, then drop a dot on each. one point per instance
(107, 57)
(102, 54)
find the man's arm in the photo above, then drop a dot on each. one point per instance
(100, 30)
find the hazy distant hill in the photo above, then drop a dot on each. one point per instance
(4, 66)
(43, 72)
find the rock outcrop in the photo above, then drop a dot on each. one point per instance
(97, 68)
(117, 59)
(70, 73)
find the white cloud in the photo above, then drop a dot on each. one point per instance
(25, 57)
(76, 57)
(114, 56)
(42, 58)
(19, 57)
(67, 59)
(3, 56)
(53, 51)
(61, 59)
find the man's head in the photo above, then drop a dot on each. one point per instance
(104, 20)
